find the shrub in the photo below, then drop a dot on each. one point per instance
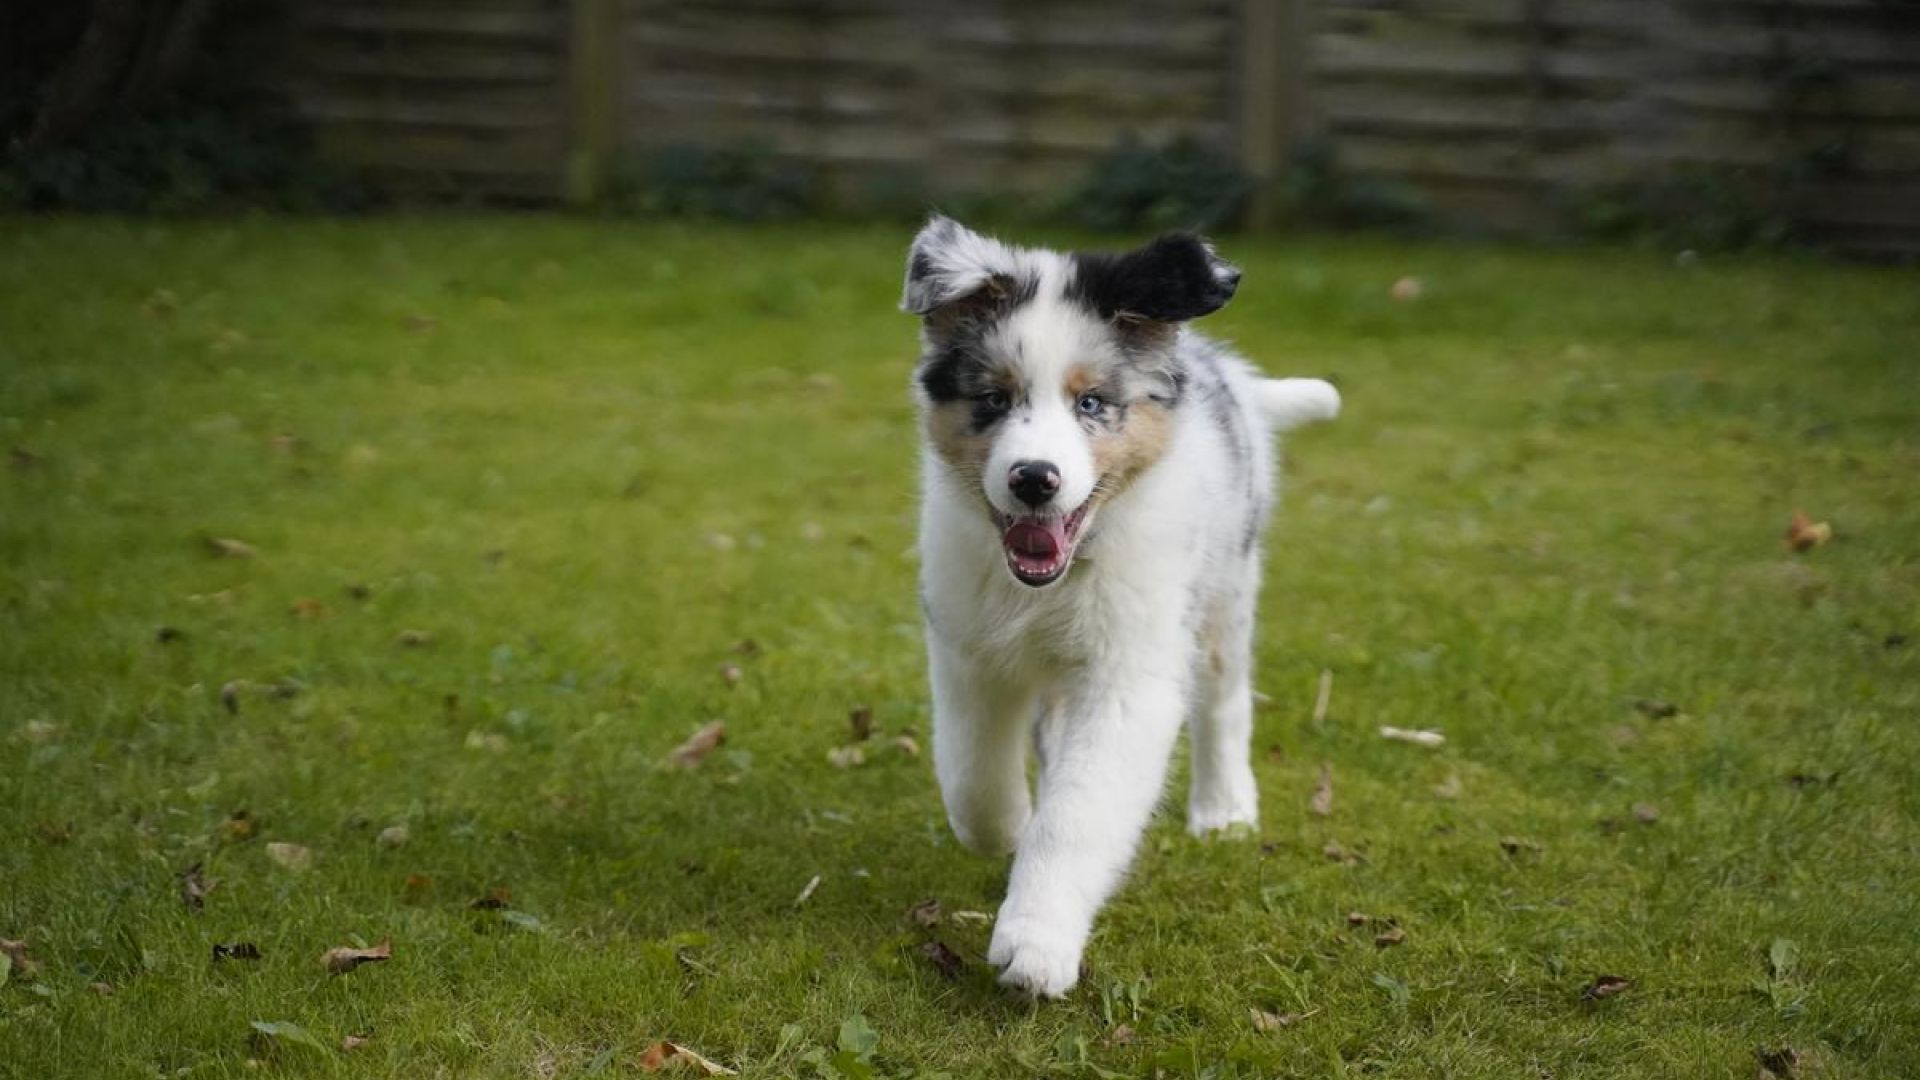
(1183, 184)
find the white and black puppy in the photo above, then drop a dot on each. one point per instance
(1096, 478)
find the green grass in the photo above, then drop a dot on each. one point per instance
(590, 458)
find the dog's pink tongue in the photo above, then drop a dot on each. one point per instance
(1036, 544)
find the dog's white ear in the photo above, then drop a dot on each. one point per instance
(950, 262)
(1172, 279)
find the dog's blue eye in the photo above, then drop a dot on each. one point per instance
(996, 400)
(1090, 404)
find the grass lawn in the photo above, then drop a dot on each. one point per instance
(519, 491)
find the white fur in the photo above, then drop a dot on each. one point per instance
(1151, 627)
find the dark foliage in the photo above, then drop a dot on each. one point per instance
(1184, 184)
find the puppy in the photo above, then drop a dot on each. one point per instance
(1096, 477)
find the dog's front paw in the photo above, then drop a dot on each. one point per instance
(1034, 958)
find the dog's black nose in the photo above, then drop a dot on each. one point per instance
(1034, 482)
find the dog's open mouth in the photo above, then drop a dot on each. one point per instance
(1039, 549)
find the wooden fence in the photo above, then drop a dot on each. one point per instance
(1508, 112)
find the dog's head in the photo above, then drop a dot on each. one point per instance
(1048, 379)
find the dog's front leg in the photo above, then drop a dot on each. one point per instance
(981, 724)
(1103, 757)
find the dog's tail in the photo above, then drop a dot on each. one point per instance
(1289, 403)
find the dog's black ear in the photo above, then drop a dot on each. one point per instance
(949, 263)
(1174, 278)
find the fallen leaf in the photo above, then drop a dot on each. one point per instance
(287, 443)
(418, 323)
(861, 721)
(1270, 1021)
(1646, 813)
(720, 541)
(416, 886)
(1605, 986)
(229, 548)
(1338, 853)
(1358, 918)
(1450, 788)
(907, 745)
(978, 918)
(290, 856)
(944, 960)
(846, 757)
(1389, 937)
(1517, 846)
(1655, 709)
(393, 836)
(1421, 737)
(25, 459)
(925, 914)
(17, 959)
(812, 532)
(662, 1056)
(1407, 289)
(489, 741)
(354, 1042)
(237, 827)
(1121, 1036)
(493, 901)
(230, 697)
(104, 989)
(1804, 534)
(194, 887)
(53, 832)
(806, 894)
(1778, 1062)
(344, 958)
(308, 607)
(730, 674)
(413, 639)
(1322, 803)
(695, 750)
(1323, 697)
(239, 950)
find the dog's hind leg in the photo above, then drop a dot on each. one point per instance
(981, 727)
(1222, 793)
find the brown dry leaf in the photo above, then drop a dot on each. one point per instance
(419, 323)
(416, 885)
(1656, 709)
(860, 719)
(1338, 853)
(695, 750)
(343, 958)
(1121, 1036)
(393, 836)
(1517, 846)
(104, 989)
(846, 757)
(1388, 938)
(663, 1056)
(355, 1042)
(493, 901)
(239, 950)
(1778, 1062)
(491, 741)
(730, 674)
(1646, 813)
(925, 914)
(944, 960)
(228, 548)
(1450, 788)
(1407, 289)
(1322, 803)
(1605, 986)
(413, 639)
(290, 856)
(1804, 534)
(24, 966)
(308, 607)
(237, 827)
(1264, 1021)
(907, 745)
(194, 887)
(1358, 918)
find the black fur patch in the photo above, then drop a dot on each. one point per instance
(954, 362)
(1174, 278)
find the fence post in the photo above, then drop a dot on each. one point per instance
(1275, 42)
(593, 97)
